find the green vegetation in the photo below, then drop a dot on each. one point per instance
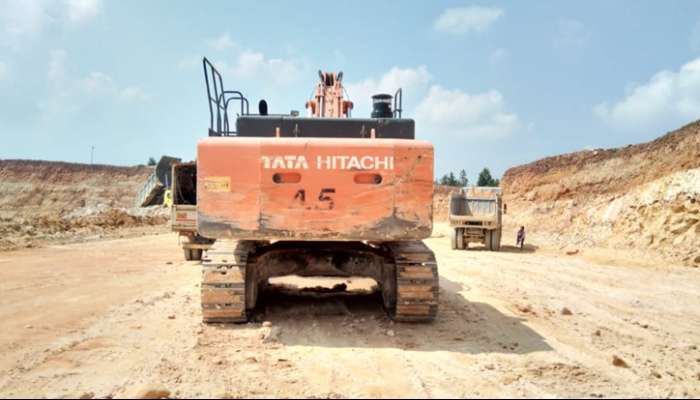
(450, 179)
(485, 179)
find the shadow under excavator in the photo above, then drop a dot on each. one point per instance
(360, 322)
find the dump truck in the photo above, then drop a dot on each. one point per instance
(153, 190)
(326, 194)
(183, 212)
(475, 217)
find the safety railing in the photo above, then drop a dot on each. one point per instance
(219, 100)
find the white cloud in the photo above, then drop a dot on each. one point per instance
(190, 61)
(441, 111)
(70, 93)
(412, 80)
(4, 71)
(20, 20)
(252, 66)
(255, 65)
(249, 64)
(82, 10)
(667, 96)
(222, 42)
(463, 20)
(463, 115)
(56, 69)
(498, 56)
(134, 94)
(96, 82)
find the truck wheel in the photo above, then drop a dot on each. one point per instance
(496, 240)
(193, 254)
(460, 239)
(487, 240)
(453, 238)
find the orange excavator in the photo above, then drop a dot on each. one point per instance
(321, 195)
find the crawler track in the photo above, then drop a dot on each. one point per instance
(223, 282)
(417, 282)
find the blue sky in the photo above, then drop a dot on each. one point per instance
(491, 84)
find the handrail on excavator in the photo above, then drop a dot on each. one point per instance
(219, 98)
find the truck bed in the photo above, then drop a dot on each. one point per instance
(475, 207)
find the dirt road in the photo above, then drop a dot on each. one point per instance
(120, 317)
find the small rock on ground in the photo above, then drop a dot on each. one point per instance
(525, 309)
(151, 392)
(618, 362)
(270, 335)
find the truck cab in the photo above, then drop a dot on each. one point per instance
(183, 217)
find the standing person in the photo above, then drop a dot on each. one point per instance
(520, 240)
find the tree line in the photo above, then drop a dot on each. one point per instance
(461, 180)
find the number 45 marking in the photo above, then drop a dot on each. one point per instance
(324, 196)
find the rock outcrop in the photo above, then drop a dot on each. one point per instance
(644, 197)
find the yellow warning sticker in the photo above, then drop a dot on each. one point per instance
(217, 184)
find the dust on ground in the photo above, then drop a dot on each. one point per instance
(121, 318)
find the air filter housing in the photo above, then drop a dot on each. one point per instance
(381, 106)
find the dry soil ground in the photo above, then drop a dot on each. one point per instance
(120, 317)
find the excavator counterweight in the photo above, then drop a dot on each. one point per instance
(323, 195)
